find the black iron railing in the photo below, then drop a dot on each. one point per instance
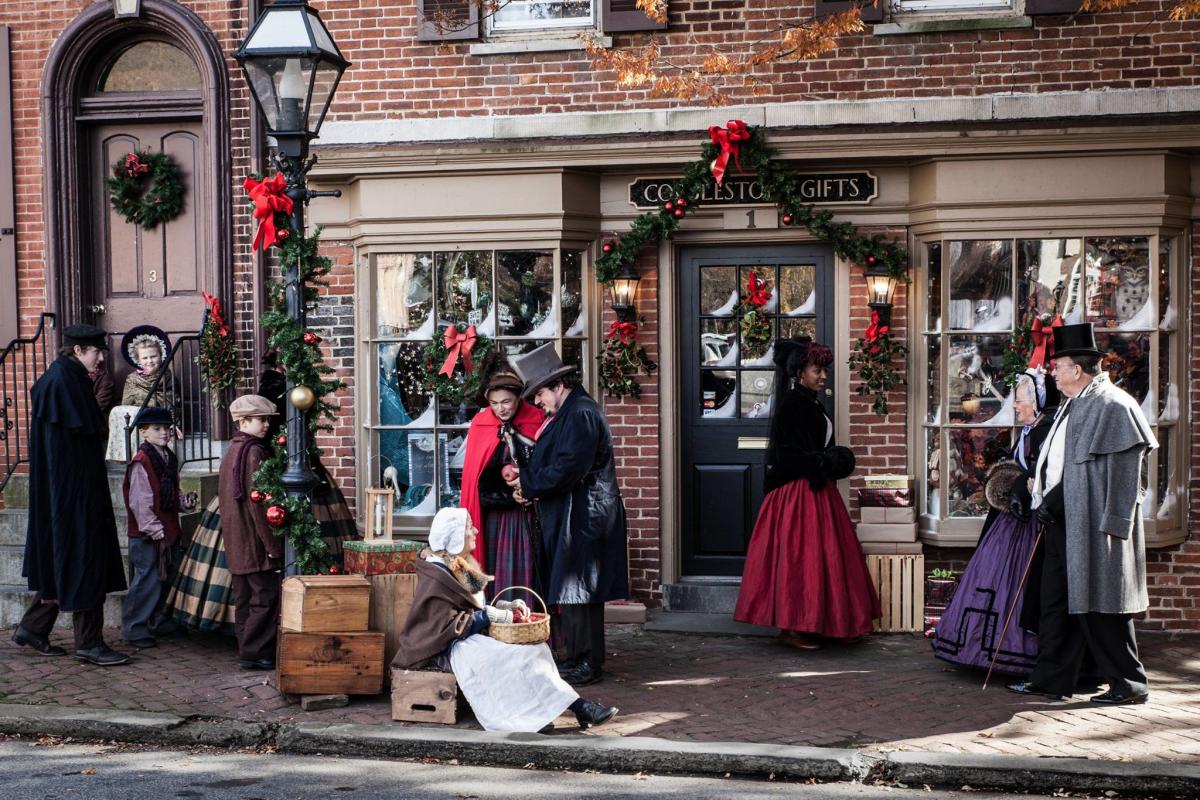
(187, 395)
(21, 363)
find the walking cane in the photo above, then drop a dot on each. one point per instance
(1012, 608)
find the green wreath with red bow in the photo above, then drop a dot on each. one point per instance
(146, 188)
(875, 353)
(451, 363)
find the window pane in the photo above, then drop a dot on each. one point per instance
(933, 316)
(1050, 277)
(980, 285)
(933, 467)
(797, 290)
(465, 290)
(933, 411)
(572, 353)
(519, 347)
(972, 452)
(976, 392)
(542, 13)
(1164, 507)
(718, 290)
(411, 453)
(451, 455)
(1168, 390)
(1128, 362)
(1118, 290)
(574, 321)
(1165, 309)
(798, 326)
(718, 395)
(718, 342)
(405, 295)
(403, 396)
(757, 385)
(754, 352)
(152, 67)
(525, 288)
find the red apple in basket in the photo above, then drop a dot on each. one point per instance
(509, 472)
(520, 614)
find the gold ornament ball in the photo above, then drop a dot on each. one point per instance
(302, 398)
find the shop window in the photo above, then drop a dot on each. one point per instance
(979, 291)
(518, 298)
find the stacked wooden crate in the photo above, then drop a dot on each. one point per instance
(899, 580)
(325, 642)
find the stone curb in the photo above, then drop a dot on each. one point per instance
(611, 753)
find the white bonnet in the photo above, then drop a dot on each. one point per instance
(449, 530)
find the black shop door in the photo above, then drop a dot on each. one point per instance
(727, 385)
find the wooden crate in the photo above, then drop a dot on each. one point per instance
(391, 600)
(329, 663)
(424, 696)
(326, 603)
(900, 581)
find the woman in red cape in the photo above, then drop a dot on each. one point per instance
(505, 546)
(805, 571)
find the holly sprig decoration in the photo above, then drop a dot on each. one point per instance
(146, 188)
(781, 187)
(218, 352)
(621, 357)
(462, 385)
(873, 358)
(1016, 355)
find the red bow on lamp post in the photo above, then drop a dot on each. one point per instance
(729, 139)
(875, 330)
(269, 199)
(459, 343)
(625, 331)
(214, 313)
(1042, 334)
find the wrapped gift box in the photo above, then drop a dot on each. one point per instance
(899, 498)
(884, 515)
(887, 482)
(381, 557)
(868, 532)
(892, 548)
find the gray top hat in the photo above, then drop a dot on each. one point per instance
(539, 367)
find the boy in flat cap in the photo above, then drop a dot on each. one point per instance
(152, 506)
(253, 551)
(72, 556)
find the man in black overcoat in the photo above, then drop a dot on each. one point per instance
(572, 476)
(72, 555)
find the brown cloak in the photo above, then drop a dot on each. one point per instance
(441, 615)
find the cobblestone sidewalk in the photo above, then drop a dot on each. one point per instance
(887, 693)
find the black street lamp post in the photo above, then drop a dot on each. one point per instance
(293, 68)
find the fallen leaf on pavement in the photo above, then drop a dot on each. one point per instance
(88, 771)
(640, 776)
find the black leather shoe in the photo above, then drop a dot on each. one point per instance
(27, 638)
(583, 674)
(257, 663)
(591, 714)
(565, 666)
(1114, 698)
(102, 656)
(1029, 687)
(143, 644)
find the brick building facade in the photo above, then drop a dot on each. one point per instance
(1010, 142)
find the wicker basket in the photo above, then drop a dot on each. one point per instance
(522, 632)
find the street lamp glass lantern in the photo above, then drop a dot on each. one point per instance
(881, 285)
(293, 68)
(624, 292)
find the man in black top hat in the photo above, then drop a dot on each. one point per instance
(1088, 494)
(72, 556)
(572, 475)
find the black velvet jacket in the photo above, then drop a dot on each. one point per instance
(798, 429)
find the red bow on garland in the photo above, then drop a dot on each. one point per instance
(875, 330)
(1042, 334)
(269, 199)
(134, 165)
(214, 313)
(458, 343)
(626, 331)
(757, 292)
(729, 139)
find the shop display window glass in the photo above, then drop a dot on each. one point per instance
(981, 291)
(518, 298)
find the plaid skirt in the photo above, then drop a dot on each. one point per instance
(201, 597)
(336, 521)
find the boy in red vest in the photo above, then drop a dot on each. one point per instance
(152, 506)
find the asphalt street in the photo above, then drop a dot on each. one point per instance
(46, 768)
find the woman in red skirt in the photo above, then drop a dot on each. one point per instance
(805, 571)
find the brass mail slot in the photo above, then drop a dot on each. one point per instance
(752, 443)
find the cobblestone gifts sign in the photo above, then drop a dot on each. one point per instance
(825, 188)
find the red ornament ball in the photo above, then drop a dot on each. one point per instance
(256, 496)
(281, 234)
(311, 338)
(334, 570)
(681, 202)
(607, 247)
(786, 219)
(276, 516)
(871, 261)
(668, 206)
(678, 213)
(509, 472)
(281, 440)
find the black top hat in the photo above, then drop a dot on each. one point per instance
(1075, 340)
(153, 415)
(137, 336)
(540, 367)
(85, 335)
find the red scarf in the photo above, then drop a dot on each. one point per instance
(482, 440)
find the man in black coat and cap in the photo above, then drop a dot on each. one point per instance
(572, 475)
(72, 555)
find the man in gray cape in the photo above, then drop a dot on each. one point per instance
(1088, 493)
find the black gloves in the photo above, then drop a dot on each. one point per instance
(1017, 507)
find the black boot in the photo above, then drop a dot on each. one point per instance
(27, 638)
(102, 656)
(583, 674)
(590, 714)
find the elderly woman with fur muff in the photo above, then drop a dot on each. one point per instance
(805, 571)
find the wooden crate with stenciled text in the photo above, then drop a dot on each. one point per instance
(329, 663)
(900, 582)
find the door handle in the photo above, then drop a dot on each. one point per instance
(98, 308)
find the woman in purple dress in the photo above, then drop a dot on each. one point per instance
(969, 632)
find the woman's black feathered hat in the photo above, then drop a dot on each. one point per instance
(793, 355)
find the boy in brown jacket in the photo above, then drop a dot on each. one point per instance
(252, 550)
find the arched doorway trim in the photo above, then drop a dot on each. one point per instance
(73, 53)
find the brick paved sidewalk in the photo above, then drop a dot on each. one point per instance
(886, 693)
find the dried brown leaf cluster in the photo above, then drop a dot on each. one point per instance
(1184, 9)
(654, 9)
